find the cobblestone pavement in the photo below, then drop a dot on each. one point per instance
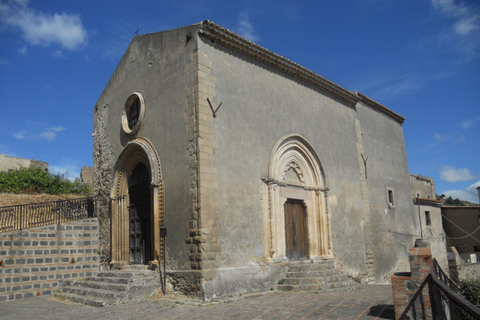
(369, 302)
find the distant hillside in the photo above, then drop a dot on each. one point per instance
(455, 202)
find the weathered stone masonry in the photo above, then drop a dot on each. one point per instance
(202, 237)
(34, 261)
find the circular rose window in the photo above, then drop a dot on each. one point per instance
(134, 113)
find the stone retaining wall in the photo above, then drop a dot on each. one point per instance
(34, 261)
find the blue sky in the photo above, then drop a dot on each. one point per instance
(419, 58)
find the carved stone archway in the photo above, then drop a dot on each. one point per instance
(295, 173)
(140, 150)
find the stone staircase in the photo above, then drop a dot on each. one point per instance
(315, 276)
(111, 287)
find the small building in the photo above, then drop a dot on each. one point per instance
(462, 226)
(250, 162)
(429, 214)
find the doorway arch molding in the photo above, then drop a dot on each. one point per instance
(293, 153)
(140, 150)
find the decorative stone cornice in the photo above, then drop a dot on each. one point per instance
(235, 42)
(272, 181)
(381, 108)
(317, 189)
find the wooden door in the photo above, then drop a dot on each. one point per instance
(295, 230)
(139, 215)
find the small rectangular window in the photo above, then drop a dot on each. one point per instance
(428, 221)
(391, 198)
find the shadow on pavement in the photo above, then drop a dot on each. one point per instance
(382, 311)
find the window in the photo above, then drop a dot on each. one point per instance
(390, 198)
(428, 221)
(133, 114)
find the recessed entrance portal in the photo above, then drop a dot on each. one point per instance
(138, 205)
(296, 218)
(139, 215)
(295, 230)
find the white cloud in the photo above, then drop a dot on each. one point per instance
(51, 133)
(38, 131)
(440, 137)
(48, 135)
(44, 29)
(449, 7)
(465, 21)
(20, 135)
(23, 51)
(465, 26)
(452, 174)
(469, 193)
(57, 129)
(468, 123)
(58, 54)
(245, 28)
(4, 62)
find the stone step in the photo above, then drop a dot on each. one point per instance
(125, 274)
(97, 285)
(82, 299)
(136, 267)
(300, 287)
(111, 287)
(311, 274)
(306, 280)
(91, 292)
(311, 267)
(110, 280)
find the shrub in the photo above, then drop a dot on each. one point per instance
(36, 180)
(470, 290)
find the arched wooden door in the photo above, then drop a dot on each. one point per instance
(140, 233)
(295, 230)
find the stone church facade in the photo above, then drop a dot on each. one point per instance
(251, 163)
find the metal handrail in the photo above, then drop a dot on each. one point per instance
(442, 276)
(450, 304)
(19, 217)
(448, 301)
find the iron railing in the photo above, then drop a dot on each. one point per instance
(440, 274)
(26, 216)
(447, 301)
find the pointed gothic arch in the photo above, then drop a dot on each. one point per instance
(296, 174)
(140, 150)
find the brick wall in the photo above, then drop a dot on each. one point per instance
(34, 261)
(411, 295)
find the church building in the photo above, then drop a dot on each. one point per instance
(232, 163)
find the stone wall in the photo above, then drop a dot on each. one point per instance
(11, 163)
(422, 187)
(34, 261)
(460, 267)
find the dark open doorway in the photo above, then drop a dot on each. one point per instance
(140, 230)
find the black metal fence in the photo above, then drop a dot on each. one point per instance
(447, 301)
(26, 216)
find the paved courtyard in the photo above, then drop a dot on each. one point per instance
(369, 302)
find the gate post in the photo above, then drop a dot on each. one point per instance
(411, 292)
